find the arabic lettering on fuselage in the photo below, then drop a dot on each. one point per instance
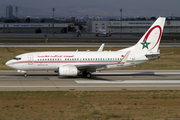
(55, 55)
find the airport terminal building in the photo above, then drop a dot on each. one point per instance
(131, 26)
(33, 28)
(172, 26)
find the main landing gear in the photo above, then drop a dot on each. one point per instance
(86, 74)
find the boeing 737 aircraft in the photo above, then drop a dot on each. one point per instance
(85, 62)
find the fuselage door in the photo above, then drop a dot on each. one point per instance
(30, 59)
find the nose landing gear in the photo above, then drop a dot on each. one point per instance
(22, 71)
(25, 75)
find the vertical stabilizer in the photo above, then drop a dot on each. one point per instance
(151, 39)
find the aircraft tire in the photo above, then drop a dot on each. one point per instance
(25, 75)
(88, 75)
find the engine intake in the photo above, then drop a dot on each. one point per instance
(67, 71)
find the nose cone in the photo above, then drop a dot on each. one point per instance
(8, 63)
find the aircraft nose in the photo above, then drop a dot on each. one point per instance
(7, 63)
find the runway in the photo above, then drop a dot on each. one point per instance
(115, 80)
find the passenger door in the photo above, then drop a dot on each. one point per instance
(30, 59)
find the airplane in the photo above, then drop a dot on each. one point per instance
(71, 63)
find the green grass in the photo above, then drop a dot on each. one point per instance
(89, 105)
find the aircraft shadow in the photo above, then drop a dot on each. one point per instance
(98, 76)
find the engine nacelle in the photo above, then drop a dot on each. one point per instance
(67, 70)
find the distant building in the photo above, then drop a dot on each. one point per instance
(134, 26)
(34, 28)
(9, 12)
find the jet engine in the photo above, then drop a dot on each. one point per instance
(67, 70)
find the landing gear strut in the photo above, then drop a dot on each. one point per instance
(86, 74)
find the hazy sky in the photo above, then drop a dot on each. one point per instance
(108, 8)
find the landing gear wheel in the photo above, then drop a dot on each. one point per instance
(25, 75)
(88, 75)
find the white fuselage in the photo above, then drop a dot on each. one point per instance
(39, 61)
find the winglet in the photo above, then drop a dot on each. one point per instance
(125, 58)
(101, 48)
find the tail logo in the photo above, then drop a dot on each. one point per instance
(145, 43)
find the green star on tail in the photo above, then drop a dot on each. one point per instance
(145, 44)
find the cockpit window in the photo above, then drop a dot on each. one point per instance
(16, 58)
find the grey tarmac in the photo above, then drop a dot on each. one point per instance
(114, 80)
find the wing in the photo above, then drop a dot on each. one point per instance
(101, 48)
(91, 67)
(94, 67)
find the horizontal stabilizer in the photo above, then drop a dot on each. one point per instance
(153, 55)
(156, 55)
(167, 53)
